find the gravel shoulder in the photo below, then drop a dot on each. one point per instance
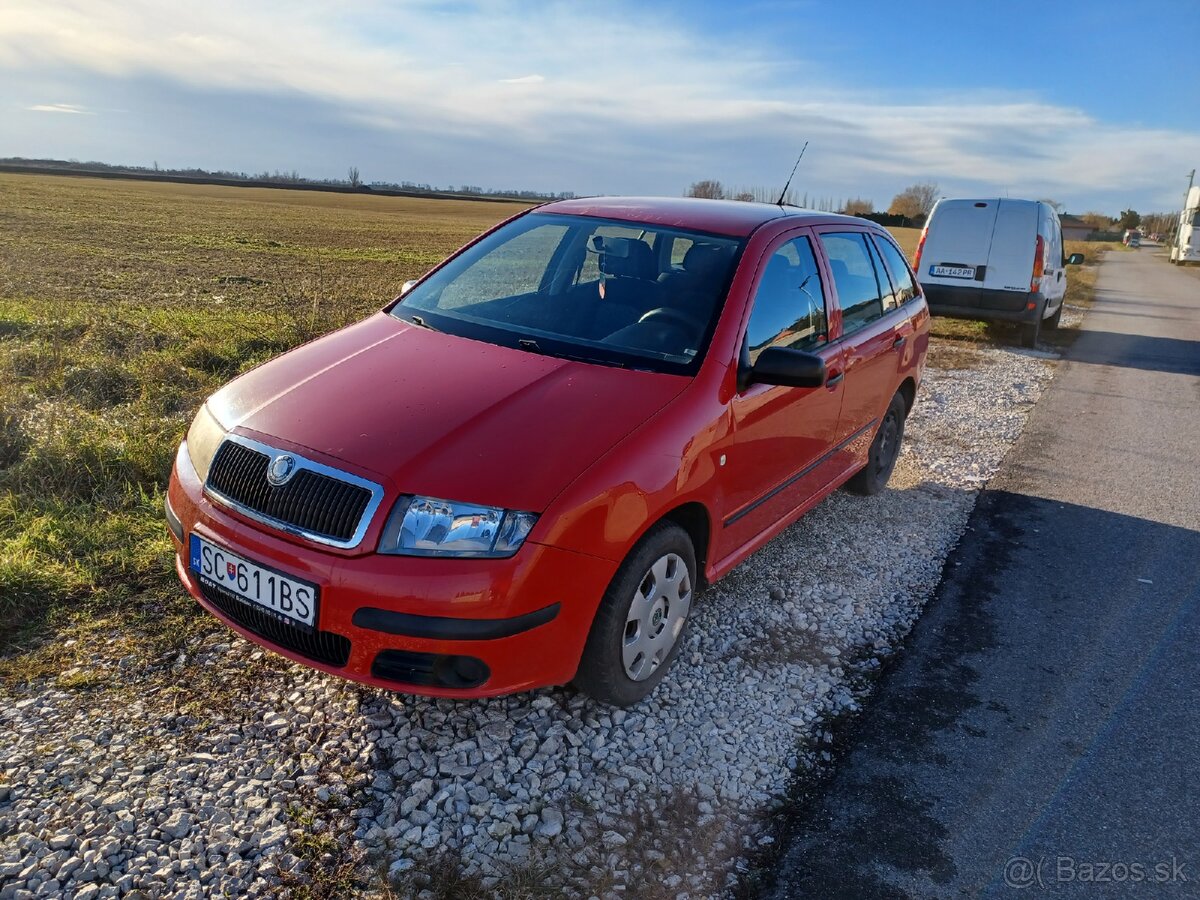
(225, 770)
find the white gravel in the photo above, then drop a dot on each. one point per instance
(149, 786)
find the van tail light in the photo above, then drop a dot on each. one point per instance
(920, 250)
(1039, 264)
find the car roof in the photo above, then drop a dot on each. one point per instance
(734, 218)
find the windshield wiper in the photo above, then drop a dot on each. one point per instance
(532, 346)
(418, 320)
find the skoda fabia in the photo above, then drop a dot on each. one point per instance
(522, 471)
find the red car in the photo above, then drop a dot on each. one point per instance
(520, 472)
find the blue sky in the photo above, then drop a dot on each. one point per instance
(1093, 104)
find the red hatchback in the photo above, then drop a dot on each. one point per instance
(520, 472)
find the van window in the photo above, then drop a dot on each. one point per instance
(789, 305)
(854, 275)
(902, 277)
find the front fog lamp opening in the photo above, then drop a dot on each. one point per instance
(429, 526)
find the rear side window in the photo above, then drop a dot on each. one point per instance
(858, 288)
(902, 277)
(789, 305)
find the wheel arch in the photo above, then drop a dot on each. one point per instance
(908, 390)
(693, 518)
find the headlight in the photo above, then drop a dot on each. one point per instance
(427, 526)
(203, 439)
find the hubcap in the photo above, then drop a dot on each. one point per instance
(887, 443)
(656, 616)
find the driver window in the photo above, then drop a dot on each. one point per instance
(789, 305)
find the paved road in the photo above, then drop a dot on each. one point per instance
(1046, 707)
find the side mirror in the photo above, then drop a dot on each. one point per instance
(407, 286)
(1075, 259)
(791, 368)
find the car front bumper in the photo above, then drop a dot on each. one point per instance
(434, 626)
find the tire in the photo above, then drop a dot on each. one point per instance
(1053, 321)
(629, 648)
(885, 450)
(1030, 332)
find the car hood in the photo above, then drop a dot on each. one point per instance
(442, 415)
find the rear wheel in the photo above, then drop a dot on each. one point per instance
(885, 450)
(637, 632)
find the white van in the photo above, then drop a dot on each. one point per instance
(995, 260)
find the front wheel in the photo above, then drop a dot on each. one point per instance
(885, 450)
(637, 632)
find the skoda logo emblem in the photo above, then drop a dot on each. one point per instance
(281, 469)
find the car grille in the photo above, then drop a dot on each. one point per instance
(311, 501)
(319, 646)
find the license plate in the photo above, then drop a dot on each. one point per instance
(952, 271)
(287, 599)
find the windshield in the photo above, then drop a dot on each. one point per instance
(611, 292)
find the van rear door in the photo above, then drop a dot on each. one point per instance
(957, 242)
(1014, 239)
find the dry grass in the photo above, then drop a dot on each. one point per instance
(122, 305)
(907, 239)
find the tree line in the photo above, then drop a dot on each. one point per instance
(913, 203)
(353, 180)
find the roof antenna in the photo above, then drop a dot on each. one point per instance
(783, 193)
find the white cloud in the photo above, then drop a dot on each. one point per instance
(618, 87)
(60, 108)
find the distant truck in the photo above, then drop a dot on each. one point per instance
(1185, 244)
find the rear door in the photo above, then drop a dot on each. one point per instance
(957, 243)
(876, 334)
(1014, 239)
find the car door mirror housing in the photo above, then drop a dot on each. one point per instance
(788, 367)
(1075, 259)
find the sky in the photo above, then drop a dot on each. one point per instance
(1095, 105)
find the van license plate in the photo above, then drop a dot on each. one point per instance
(287, 599)
(952, 271)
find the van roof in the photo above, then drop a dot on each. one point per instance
(992, 200)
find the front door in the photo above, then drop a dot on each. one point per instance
(782, 435)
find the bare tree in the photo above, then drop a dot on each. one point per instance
(915, 200)
(745, 196)
(712, 190)
(353, 177)
(857, 206)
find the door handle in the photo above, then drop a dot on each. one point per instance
(833, 379)
(899, 342)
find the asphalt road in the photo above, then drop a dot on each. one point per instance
(1040, 735)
